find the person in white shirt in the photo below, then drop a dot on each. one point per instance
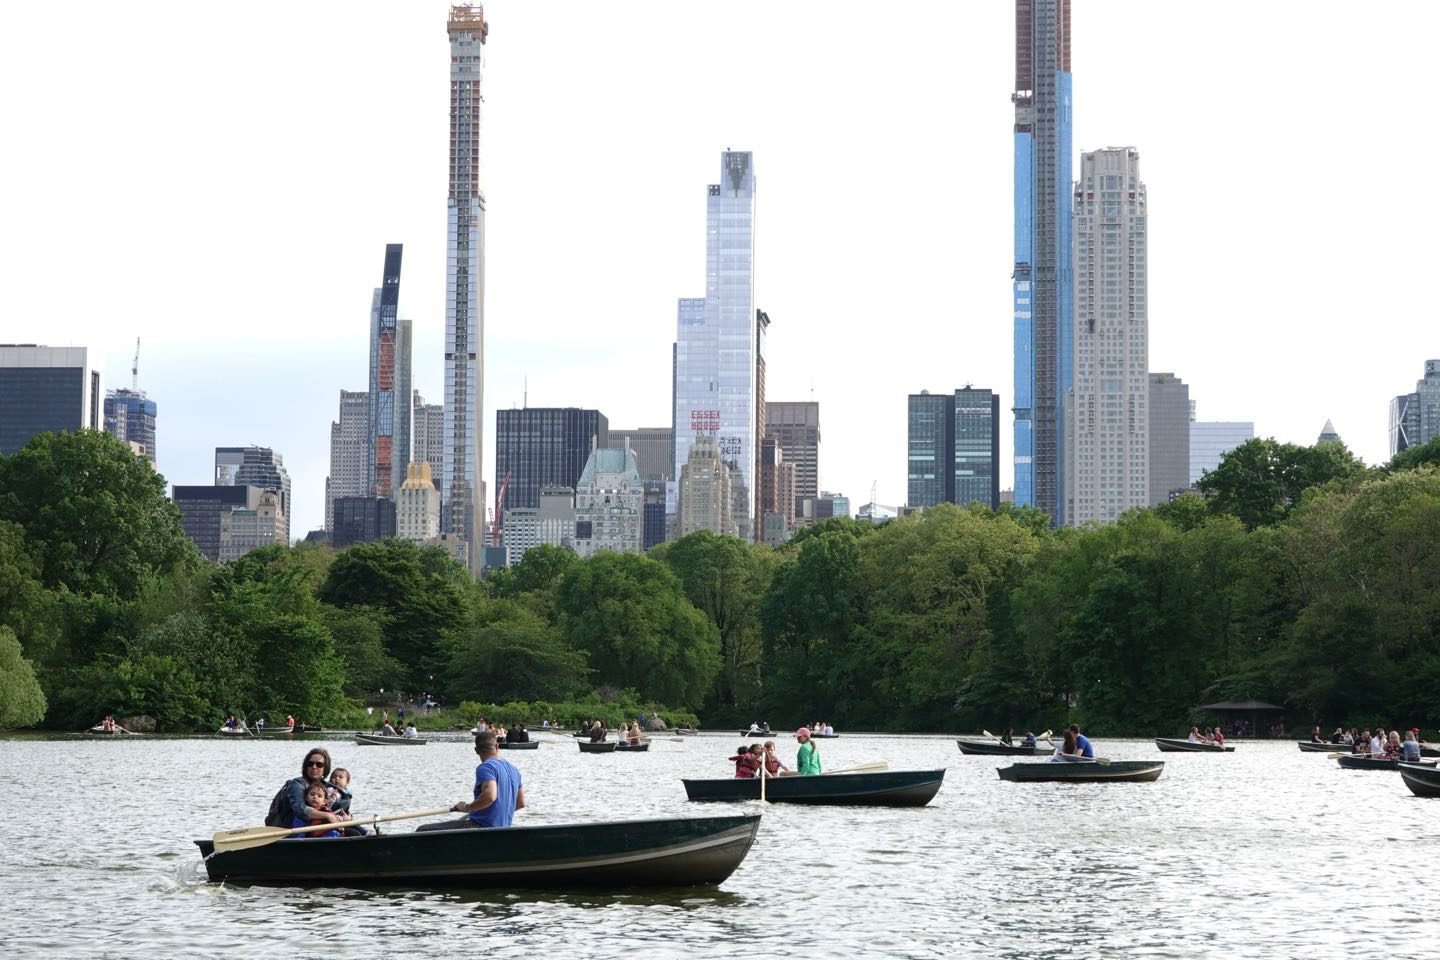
(411, 733)
(1377, 744)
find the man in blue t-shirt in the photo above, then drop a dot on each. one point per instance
(1087, 750)
(499, 791)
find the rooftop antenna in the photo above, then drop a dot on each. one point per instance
(525, 394)
(135, 369)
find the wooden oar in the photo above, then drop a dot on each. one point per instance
(764, 775)
(987, 733)
(873, 765)
(247, 837)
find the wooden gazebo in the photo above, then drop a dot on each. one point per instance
(1251, 711)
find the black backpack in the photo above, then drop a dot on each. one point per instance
(279, 815)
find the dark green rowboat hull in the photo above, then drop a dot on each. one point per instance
(1174, 745)
(1423, 780)
(1072, 771)
(681, 851)
(522, 745)
(369, 740)
(897, 788)
(631, 747)
(1308, 746)
(1363, 762)
(991, 748)
(605, 746)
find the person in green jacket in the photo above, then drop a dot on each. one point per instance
(807, 760)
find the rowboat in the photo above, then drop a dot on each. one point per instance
(685, 731)
(675, 851)
(1422, 779)
(380, 740)
(1307, 746)
(632, 747)
(604, 746)
(1362, 761)
(1084, 771)
(234, 731)
(757, 733)
(994, 748)
(897, 788)
(1173, 745)
(521, 745)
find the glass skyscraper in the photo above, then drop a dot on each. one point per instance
(541, 447)
(954, 448)
(1042, 277)
(383, 473)
(716, 338)
(462, 487)
(130, 416)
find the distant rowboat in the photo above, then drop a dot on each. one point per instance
(899, 788)
(379, 740)
(1174, 745)
(604, 746)
(1084, 771)
(993, 748)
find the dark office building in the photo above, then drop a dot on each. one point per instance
(954, 448)
(543, 447)
(654, 450)
(201, 507)
(362, 520)
(652, 521)
(46, 390)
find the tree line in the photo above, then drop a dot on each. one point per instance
(1297, 576)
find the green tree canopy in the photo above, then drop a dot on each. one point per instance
(630, 614)
(509, 652)
(22, 704)
(421, 591)
(1260, 481)
(95, 515)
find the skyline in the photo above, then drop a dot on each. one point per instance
(234, 201)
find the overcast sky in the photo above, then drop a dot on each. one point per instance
(220, 180)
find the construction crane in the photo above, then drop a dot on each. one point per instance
(499, 511)
(135, 369)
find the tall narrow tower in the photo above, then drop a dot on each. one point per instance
(385, 396)
(1042, 277)
(717, 339)
(462, 486)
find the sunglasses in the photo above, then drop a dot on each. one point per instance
(315, 763)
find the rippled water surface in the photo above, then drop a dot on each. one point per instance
(1266, 852)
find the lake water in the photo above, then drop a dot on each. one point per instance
(1266, 852)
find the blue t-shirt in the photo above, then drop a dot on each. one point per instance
(1086, 750)
(507, 789)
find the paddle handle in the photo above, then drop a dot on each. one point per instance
(862, 767)
(255, 836)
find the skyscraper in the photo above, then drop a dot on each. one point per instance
(954, 448)
(543, 447)
(1169, 436)
(653, 446)
(46, 390)
(462, 488)
(796, 427)
(349, 446)
(1108, 422)
(1211, 440)
(130, 417)
(716, 341)
(1415, 417)
(259, 467)
(380, 466)
(429, 443)
(1042, 276)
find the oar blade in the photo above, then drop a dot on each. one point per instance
(244, 839)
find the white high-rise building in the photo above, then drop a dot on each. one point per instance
(462, 485)
(417, 505)
(609, 503)
(349, 452)
(716, 339)
(1107, 454)
(1211, 440)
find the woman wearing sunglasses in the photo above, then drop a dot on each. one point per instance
(314, 769)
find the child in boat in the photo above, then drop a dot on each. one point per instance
(339, 792)
(746, 762)
(317, 795)
(774, 766)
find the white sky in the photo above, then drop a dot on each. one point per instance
(220, 180)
